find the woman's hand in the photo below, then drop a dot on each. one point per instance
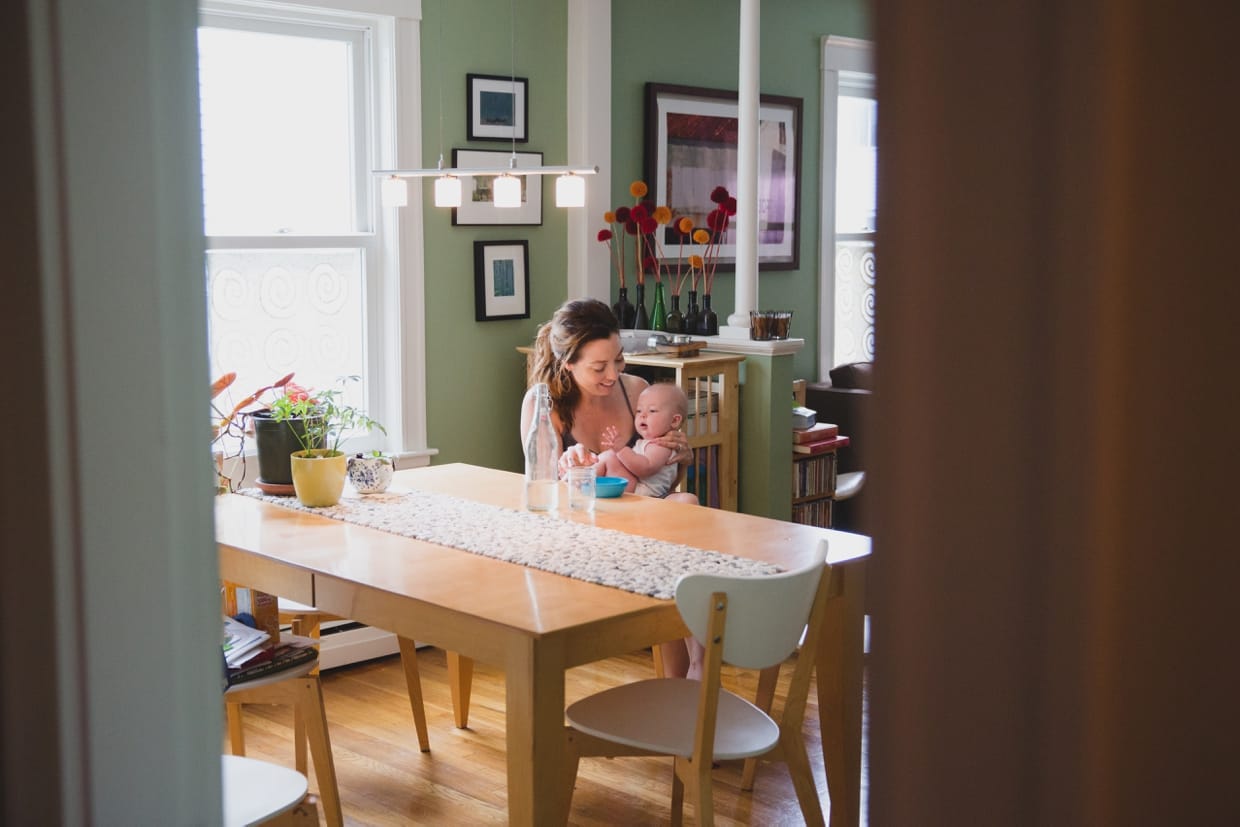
(576, 455)
(678, 444)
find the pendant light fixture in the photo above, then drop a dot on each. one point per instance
(507, 187)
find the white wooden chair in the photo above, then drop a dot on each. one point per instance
(256, 792)
(300, 688)
(750, 622)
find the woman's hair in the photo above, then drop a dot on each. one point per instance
(575, 324)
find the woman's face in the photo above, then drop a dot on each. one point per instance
(598, 366)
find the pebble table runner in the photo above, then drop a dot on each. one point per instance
(585, 552)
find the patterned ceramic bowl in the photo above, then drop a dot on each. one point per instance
(370, 474)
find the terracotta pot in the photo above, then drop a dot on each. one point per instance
(318, 476)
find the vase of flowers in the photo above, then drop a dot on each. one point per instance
(642, 319)
(712, 236)
(623, 308)
(635, 227)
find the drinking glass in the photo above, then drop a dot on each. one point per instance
(581, 488)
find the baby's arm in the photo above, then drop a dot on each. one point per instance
(609, 465)
(644, 464)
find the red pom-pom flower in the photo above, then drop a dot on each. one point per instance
(604, 235)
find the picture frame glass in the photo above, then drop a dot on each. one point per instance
(691, 148)
(477, 207)
(501, 280)
(497, 108)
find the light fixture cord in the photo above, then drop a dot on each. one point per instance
(439, 81)
(512, 74)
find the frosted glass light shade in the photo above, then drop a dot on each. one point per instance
(507, 191)
(447, 191)
(570, 191)
(394, 192)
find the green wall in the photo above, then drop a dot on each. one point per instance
(475, 378)
(696, 43)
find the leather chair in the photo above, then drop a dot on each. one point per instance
(846, 401)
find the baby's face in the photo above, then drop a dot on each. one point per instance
(656, 412)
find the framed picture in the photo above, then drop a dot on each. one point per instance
(691, 149)
(497, 108)
(501, 280)
(476, 205)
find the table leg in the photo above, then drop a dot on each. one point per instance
(537, 792)
(461, 682)
(839, 668)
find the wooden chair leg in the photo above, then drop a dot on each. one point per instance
(310, 701)
(236, 731)
(678, 794)
(656, 652)
(299, 740)
(413, 683)
(767, 680)
(802, 777)
(460, 681)
(572, 762)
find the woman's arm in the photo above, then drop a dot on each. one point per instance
(678, 444)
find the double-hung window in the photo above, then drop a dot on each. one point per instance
(849, 209)
(304, 273)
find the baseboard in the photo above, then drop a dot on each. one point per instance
(345, 642)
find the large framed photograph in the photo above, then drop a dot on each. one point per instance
(497, 108)
(501, 280)
(477, 206)
(691, 137)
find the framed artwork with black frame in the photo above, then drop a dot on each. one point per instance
(501, 280)
(477, 206)
(691, 148)
(497, 108)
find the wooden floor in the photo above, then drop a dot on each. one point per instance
(385, 780)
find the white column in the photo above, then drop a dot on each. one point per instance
(746, 173)
(589, 143)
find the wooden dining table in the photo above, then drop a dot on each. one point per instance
(534, 624)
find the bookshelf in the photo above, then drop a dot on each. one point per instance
(813, 488)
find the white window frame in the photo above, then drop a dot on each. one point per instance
(845, 60)
(392, 238)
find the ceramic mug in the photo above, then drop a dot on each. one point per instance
(370, 474)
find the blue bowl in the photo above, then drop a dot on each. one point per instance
(610, 486)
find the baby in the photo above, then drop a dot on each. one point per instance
(660, 409)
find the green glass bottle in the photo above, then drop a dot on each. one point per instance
(658, 315)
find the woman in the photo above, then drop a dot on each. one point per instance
(578, 354)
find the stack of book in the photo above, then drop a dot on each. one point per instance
(247, 655)
(817, 439)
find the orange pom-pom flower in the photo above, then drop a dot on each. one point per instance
(700, 236)
(637, 189)
(685, 225)
(663, 215)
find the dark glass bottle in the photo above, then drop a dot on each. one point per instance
(708, 323)
(692, 314)
(675, 321)
(623, 308)
(642, 320)
(658, 314)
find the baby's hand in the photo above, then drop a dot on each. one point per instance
(610, 436)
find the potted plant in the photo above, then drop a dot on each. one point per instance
(319, 467)
(231, 425)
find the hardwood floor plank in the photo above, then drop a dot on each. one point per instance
(385, 781)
